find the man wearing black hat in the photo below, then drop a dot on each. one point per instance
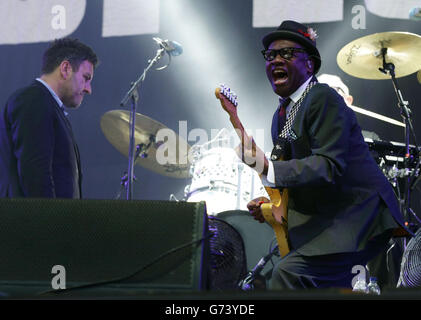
(341, 208)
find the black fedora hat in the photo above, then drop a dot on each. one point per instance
(297, 32)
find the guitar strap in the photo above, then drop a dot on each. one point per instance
(279, 201)
(281, 148)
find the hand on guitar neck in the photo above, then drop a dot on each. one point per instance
(247, 150)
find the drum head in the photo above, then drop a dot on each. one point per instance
(223, 181)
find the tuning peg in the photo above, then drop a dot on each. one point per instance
(227, 91)
(235, 102)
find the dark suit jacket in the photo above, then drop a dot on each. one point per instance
(338, 197)
(38, 154)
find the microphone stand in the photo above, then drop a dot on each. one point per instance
(247, 283)
(133, 96)
(142, 151)
(406, 115)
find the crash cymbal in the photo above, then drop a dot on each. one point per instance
(167, 153)
(419, 76)
(362, 57)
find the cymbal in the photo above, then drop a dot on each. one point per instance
(167, 153)
(362, 57)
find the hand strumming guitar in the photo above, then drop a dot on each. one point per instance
(254, 207)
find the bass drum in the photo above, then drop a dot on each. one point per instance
(221, 180)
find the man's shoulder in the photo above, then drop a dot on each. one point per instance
(323, 89)
(323, 93)
(322, 96)
(32, 92)
(31, 98)
(34, 88)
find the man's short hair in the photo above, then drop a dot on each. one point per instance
(68, 49)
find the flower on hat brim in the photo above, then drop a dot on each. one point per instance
(311, 33)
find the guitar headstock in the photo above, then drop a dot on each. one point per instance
(227, 97)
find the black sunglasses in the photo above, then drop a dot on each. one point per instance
(285, 53)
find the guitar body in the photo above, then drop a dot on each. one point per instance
(276, 214)
(276, 211)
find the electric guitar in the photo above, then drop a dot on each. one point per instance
(276, 211)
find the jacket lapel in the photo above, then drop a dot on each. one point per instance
(63, 117)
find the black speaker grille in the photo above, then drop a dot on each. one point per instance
(99, 240)
(410, 274)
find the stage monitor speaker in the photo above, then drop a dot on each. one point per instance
(410, 274)
(103, 245)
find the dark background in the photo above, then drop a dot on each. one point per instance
(220, 45)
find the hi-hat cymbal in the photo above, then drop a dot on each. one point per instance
(167, 153)
(362, 57)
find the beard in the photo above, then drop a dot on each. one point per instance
(72, 100)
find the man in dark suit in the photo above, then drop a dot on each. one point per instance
(38, 154)
(341, 209)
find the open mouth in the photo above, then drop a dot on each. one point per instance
(279, 76)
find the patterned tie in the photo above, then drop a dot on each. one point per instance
(283, 112)
(279, 148)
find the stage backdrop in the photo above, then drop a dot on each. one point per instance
(221, 42)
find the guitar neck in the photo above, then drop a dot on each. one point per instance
(228, 101)
(239, 129)
(275, 213)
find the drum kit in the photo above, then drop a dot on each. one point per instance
(219, 177)
(217, 174)
(388, 56)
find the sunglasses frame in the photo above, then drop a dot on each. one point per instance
(289, 51)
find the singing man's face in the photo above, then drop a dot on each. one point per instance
(286, 76)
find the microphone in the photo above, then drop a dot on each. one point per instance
(247, 283)
(415, 14)
(173, 48)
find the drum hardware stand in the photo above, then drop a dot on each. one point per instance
(247, 282)
(404, 203)
(240, 168)
(416, 172)
(140, 151)
(173, 198)
(133, 96)
(393, 173)
(414, 184)
(123, 183)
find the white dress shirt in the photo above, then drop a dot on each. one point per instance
(55, 96)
